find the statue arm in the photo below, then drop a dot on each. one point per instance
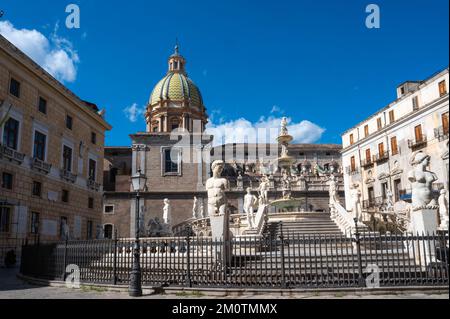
(411, 176)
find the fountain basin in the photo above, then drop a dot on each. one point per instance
(284, 139)
(289, 204)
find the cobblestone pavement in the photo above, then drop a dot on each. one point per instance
(13, 288)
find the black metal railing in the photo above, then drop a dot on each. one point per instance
(380, 157)
(441, 133)
(367, 162)
(418, 142)
(289, 260)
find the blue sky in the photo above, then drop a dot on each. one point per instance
(312, 61)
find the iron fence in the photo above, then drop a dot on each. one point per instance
(10, 251)
(286, 261)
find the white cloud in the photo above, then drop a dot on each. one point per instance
(134, 112)
(276, 109)
(55, 54)
(265, 130)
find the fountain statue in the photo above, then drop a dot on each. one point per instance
(249, 207)
(421, 182)
(285, 162)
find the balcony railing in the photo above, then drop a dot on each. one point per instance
(418, 143)
(41, 166)
(441, 134)
(376, 203)
(351, 170)
(68, 176)
(10, 154)
(91, 184)
(380, 157)
(366, 162)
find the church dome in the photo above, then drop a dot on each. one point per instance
(176, 86)
(176, 102)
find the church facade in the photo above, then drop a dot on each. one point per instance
(175, 154)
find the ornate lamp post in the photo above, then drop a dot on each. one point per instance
(361, 281)
(135, 290)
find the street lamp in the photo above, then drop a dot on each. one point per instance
(138, 181)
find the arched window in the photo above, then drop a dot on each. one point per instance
(108, 231)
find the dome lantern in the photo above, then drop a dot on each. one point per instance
(176, 102)
(176, 61)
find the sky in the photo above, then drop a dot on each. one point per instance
(255, 61)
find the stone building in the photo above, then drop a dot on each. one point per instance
(51, 154)
(175, 154)
(377, 151)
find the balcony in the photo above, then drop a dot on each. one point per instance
(91, 184)
(376, 203)
(417, 143)
(40, 166)
(351, 170)
(68, 176)
(365, 163)
(381, 157)
(441, 134)
(11, 155)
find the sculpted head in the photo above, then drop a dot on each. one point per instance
(166, 201)
(217, 167)
(249, 190)
(419, 158)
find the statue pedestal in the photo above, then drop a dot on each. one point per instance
(423, 222)
(220, 232)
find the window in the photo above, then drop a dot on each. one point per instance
(92, 169)
(366, 130)
(351, 139)
(14, 87)
(11, 133)
(384, 189)
(39, 145)
(89, 229)
(67, 158)
(379, 124)
(418, 133)
(65, 196)
(171, 161)
(352, 164)
(155, 129)
(93, 138)
(394, 146)
(381, 149)
(37, 189)
(402, 90)
(391, 117)
(7, 181)
(442, 88)
(415, 103)
(42, 106)
(444, 118)
(5, 216)
(108, 231)
(34, 223)
(69, 122)
(397, 189)
(62, 225)
(108, 209)
(368, 159)
(91, 202)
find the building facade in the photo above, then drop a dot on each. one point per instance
(376, 152)
(51, 154)
(175, 154)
